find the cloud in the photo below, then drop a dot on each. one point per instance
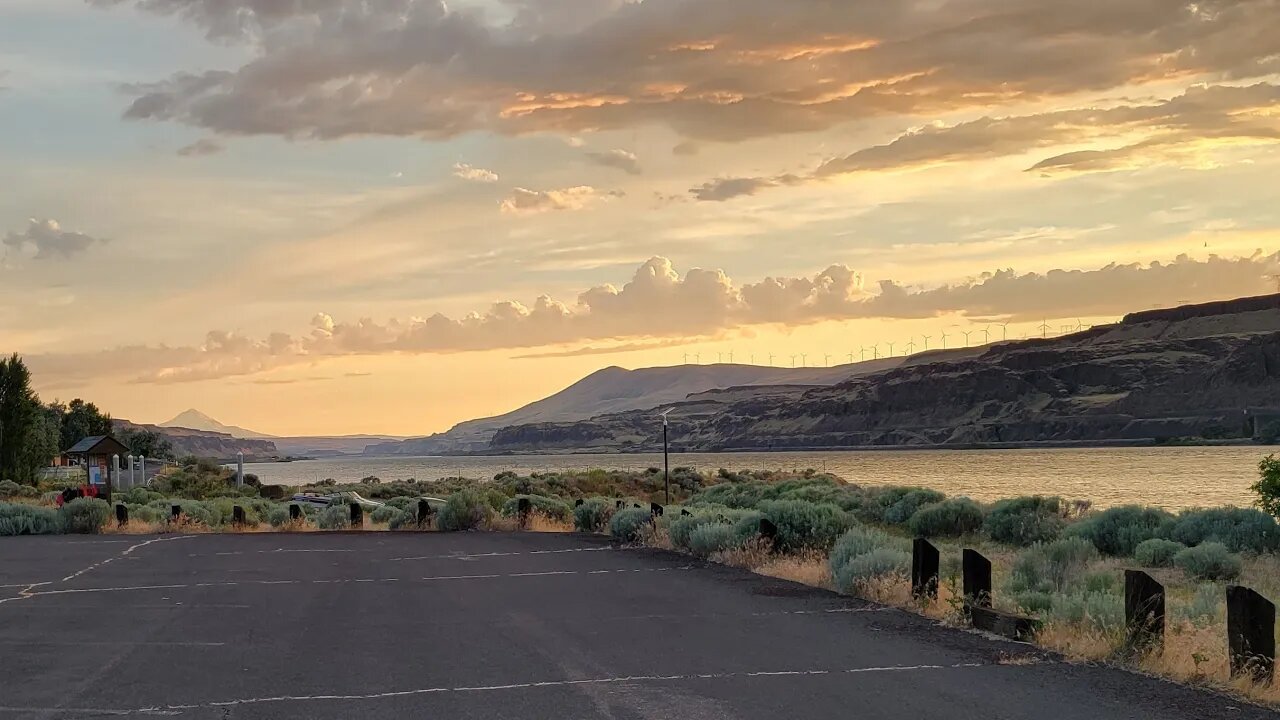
(658, 304)
(201, 147)
(49, 240)
(1175, 129)
(609, 350)
(529, 202)
(722, 189)
(721, 70)
(618, 160)
(474, 174)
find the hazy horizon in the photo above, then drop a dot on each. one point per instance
(332, 218)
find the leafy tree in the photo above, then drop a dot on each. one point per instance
(23, 432)
(79, 420)
(1268, 486)
(147, 442)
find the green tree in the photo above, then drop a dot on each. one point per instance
(147, 442)
(1268, 486)
(79, 420)
(23, 429)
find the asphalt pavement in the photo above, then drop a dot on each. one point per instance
(489, 625)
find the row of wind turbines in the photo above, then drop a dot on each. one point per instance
(909, 347)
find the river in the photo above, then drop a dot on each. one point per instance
(1169, 477)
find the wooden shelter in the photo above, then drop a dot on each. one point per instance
(95, 453)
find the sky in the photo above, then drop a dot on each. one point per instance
(388, 216)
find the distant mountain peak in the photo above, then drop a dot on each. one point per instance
(193, 419)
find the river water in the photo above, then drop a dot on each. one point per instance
(1169, 477)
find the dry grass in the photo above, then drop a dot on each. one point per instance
(1198, 655)
(134, 527)
(1079, 641)
(806, 568)
(656, 537)
(542, 523)
(751, 556)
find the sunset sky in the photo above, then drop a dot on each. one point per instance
(328, 216)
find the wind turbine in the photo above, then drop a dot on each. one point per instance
(730, 357)
(753, 358)
(890, 349)
(966, 334)
(1004, 331)
(697, 357)
(850, 358)
(875, 351)
(826, 361)
(793, 360)
(719, 358)
(804, 360)
(1079, 325)
(911, 345)
(770, 359)
(944, 338)
(926, 341)
(863, 351)
(686, 358)
(986, 335)
(1044, 329)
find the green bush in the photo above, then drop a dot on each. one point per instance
(949, 518)
(865, 553)
(403, 520)
(1267, 488)
(549, 506)
(1051, 567)
(592, 515)
(1103, 610)
(878, 563)
(192, 510)
(1205, 607)
(384, 514)
(1025, 521)
(11, 489)
(27, 520)
(805, 525)
(627, 523)
(334, 517)
(84, 515)
(1210, 561)
(138, 496)
(145, 514)
(278, 516)
(1157, 552)
(894, 504)
(1240, 529)
(709, 539)
(1118, 531)
(463, 510)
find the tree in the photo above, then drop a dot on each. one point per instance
(79, 420)
(24, 432)
(1268, 486)
(147, 442)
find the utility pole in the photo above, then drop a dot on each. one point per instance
(666, 463)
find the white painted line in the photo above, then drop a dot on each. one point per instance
(475, 556)
(761, 674)
(127, 551)
(109, 643)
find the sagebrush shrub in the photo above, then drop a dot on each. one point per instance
(1025, 521)
(1240, 529)
(11, 489)
(949, 518)
(708, 539)
(1157, 552)
(16, 519)
(1209, 561)
(463, 510)
(627, 523)
(383, 515)
(549, 506)
(1205, 607)
(805, 525)
(864, 553)
(84, 515)
(1051, 567)
(1103, 610)
(1118, 530)
(592, 515)
(278, 516)
(895, 504)
(334, 517)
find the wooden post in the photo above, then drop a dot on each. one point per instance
(769, 531)
(175, 512)
(357, 516)
(424, 512)
(577, 503)
(523, 509)
(977, 579)
(656, 510)
(295, 511)
(122, 515)
(1143, 610)
(684, 512)
(618, 506)
(237, 515)
(1251, 623)
(925, 562)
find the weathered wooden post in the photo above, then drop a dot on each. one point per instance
(1143, 610)
(523, 509)
(684, 512)
(1251, 623)
(769, 531)
(295, 512)
(977, 579)
(357, 516)
(925, 562)
(175, 512)
(577, 503)
(618, 506)
(122, 515)
(237, 515)
(424, 512)
(656, 510)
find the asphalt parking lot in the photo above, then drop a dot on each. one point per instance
(489, 625)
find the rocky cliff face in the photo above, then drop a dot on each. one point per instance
(1199, 372)
(205, 444)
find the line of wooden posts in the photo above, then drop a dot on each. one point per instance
(424, 516)
(1251, 618)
